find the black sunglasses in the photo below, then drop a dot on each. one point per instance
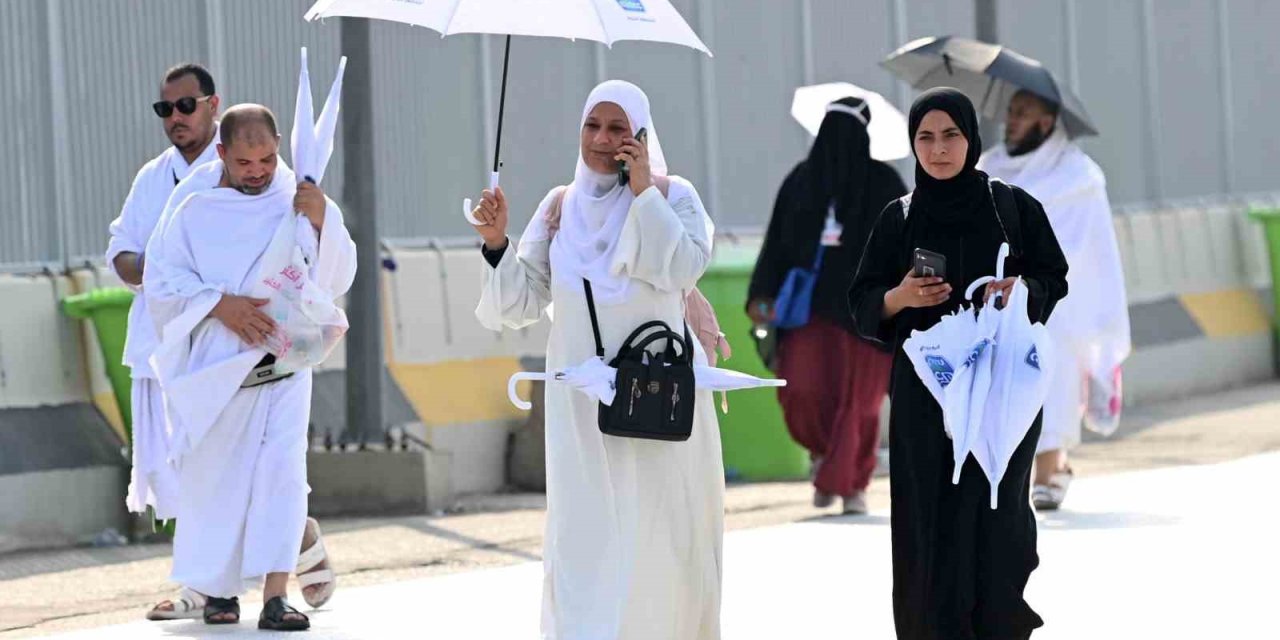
(186, 106)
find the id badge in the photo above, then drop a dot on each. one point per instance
(832, 230)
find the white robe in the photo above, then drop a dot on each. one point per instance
(240, 453)
(1091, 325)
(634, 527)
(152, 482)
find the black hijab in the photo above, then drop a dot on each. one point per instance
(953, 201)
(835, 173)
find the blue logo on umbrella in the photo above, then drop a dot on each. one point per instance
(942, 370)
(632, 5)
(1033, 358)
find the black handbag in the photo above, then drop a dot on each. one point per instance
(654, 392)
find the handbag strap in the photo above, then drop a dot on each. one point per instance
(595, 322)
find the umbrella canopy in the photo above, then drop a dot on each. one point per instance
(989, 74)
(596, 379)
(887, 129)
(606, 21)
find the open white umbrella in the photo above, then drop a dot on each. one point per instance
(596, 379)
(887, 129)
(606, 21)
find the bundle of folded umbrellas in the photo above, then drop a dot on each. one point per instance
(989, 370)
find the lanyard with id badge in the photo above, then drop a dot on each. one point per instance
(831, 229)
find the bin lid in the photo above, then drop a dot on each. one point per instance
(82, 305)
(733, 259)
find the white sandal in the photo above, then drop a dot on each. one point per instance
(309, 575)
(189, 605)
(1049, 497)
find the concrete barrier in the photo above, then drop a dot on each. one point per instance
(1197, 279)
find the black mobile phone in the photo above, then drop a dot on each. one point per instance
(930, 264)
(624, 172)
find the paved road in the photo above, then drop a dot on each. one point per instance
(67, 590)
(1175, 553)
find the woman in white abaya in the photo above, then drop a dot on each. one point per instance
(634, 527)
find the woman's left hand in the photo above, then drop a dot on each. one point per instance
(636, 155)
(1002, 287)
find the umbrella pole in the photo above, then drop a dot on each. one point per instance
(502, 108)
(497, 145)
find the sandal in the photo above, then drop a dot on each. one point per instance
(214, 606)
(310, 576)
(1049, 497)
(188, 605)
(273, 616)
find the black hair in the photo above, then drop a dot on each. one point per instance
(201, 74)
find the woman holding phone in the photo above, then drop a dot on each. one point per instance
(634, 526)
(959, 567)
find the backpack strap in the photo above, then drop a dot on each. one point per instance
(557, 202)
(1007, 213)
(906, 205)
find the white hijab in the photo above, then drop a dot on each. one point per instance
(595, 206)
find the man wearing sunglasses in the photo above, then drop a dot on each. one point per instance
(188, 108)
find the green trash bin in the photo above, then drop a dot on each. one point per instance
(108, 309)
(1270, 219)
(753, 434)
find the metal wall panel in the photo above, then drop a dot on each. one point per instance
(115, 61)
(1188, 149)
(28, 223)
(758, 65)
(429, 129)
(1254, 59)
(1111, 84)
(260, 57)
(724, 121)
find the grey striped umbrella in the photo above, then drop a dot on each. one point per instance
(989, 74)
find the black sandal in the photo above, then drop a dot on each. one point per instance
(273, 616)
(214, 606)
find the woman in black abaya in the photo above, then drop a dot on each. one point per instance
(959, 567)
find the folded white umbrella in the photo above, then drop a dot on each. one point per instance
(606, 21)
(1022, 359)
(309, 323)
(596, 379)
(887, 129)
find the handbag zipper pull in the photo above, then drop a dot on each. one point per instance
(675, 400)
(635, 393)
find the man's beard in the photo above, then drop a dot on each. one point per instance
(1029, 143)
(252, 191)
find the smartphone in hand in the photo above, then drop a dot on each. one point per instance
(929, 264)
(624, 172)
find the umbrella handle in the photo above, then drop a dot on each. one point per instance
(521, 404)
(973, 288)
(466, 202)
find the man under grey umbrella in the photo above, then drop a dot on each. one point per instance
(1091, 325)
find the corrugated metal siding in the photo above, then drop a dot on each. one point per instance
(262, 40)
(724, 121)
(115, 61)
(28, 225)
